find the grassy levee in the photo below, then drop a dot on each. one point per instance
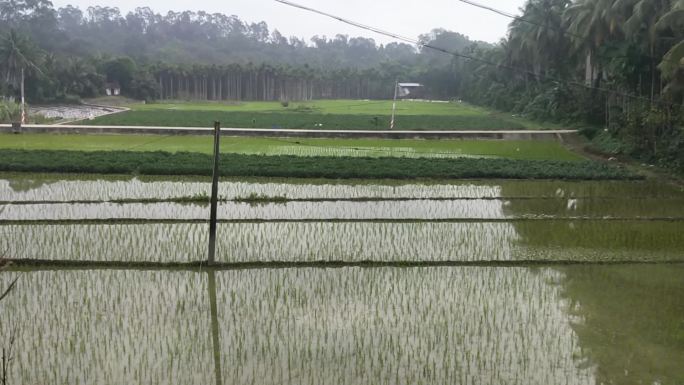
(293, 120)
(186, 163)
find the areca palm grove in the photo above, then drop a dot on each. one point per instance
(615, 64)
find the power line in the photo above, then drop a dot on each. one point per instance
(512, 16)
(459, 55)
(559, 29)
(396, 36)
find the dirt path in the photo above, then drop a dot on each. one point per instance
(580, 145)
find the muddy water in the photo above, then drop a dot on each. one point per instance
(582, 324)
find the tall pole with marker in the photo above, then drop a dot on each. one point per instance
(394, 104)
(23, 99)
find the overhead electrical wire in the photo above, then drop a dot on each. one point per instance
(459, 55)
(512, 16)
(559, 29)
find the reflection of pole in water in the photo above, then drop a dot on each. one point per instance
(214, 326)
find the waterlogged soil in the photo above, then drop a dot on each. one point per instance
(487, 209)
(69, 187)
(571, 325)
(358, 241)
(137, 220)
(607, 319)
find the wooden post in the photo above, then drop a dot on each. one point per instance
(214, 194)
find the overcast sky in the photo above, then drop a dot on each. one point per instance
(406, 17)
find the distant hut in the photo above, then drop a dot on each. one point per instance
(113, 89)
(410, 90)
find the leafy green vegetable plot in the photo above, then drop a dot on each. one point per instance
(185, 163)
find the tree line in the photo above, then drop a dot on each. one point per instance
(68, 54)
(617, 65)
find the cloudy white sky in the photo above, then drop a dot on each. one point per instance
(406, 17)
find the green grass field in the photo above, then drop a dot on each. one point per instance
(326, 114)
(527, 149)
(340, 107)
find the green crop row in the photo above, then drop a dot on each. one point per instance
(185, 163)
(289, 120)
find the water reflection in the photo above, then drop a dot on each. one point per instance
(630, 321)
(628, 318)
(215, 339)
(575, 325)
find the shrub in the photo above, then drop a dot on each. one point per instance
(9, 112)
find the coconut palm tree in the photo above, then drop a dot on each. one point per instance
(539, 38)
(672, 65)
(591, 23)
(18, 56)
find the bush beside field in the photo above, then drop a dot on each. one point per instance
(185, 163)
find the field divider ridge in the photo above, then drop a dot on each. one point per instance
(43, 264)
(142, 221)
(279, 200)
(277, 132)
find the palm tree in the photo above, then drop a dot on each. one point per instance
(591, 23)
(539, 38)
(18, 56)
(643, 19)
(672, 65)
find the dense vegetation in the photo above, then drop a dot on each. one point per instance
(185, 163)
(68, 53)
(615, 64)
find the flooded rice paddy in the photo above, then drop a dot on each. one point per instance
(599, 303)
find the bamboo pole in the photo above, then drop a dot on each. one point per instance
(214, 195)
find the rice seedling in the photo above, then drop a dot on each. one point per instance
(345, 326)
(441, 325)
(590, 241)
(351, 326)
(66, 187)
